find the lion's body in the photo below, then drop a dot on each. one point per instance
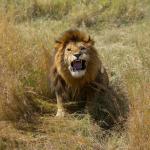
(83, 83)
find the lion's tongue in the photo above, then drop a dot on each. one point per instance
(77, 65)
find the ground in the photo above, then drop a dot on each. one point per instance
(72, 133)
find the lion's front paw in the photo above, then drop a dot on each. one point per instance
(60, 113)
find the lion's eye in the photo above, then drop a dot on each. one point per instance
(68, 49)
(82, 48)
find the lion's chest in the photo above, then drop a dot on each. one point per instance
(78, 93)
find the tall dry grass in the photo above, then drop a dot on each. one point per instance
(138, 84)
(79, 13)
(126, 51)
(13, 101)
(23, 71)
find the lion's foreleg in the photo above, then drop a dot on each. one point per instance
(60, 108)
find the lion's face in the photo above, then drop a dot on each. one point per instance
(76, 57)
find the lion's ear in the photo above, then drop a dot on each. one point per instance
(90, 41)
(57, 44)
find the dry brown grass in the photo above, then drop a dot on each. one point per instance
(23, 71)
(126, 57)
(25, 97)
(12, 99)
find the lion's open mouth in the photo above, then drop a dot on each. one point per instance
(78, 65)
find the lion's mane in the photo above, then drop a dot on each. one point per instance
(60, 77)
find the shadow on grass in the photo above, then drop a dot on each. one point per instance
(109, 109)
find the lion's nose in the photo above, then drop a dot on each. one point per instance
(77, 55)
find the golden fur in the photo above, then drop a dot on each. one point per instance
(61, 79)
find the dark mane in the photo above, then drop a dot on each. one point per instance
(73, 35)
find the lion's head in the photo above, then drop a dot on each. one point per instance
(76, 59)
(77, 56)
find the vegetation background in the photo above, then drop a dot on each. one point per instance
(121, 29)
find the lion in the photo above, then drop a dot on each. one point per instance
(76, 68)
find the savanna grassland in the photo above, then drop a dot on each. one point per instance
(28, 28)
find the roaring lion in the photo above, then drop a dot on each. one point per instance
(76, 69)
